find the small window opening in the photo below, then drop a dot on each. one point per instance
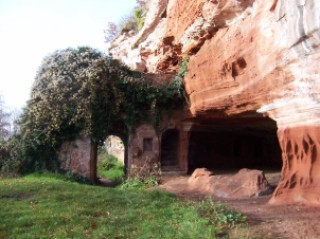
(147, 144)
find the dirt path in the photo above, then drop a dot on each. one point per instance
(265, 220)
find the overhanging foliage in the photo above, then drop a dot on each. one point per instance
(82, 91)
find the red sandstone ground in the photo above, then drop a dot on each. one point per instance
(265, 221)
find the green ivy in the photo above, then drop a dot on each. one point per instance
(80, 91)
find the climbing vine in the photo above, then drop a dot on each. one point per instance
(81, 91)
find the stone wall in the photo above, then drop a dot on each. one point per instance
(79, 158)
(143, 153)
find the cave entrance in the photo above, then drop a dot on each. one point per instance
(169, 149)
(234, 144)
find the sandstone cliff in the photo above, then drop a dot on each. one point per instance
(247, 56)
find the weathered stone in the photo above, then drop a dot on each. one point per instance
(266, 60)
(79, 158)
(134, 50)
(248, 58)
(300, 182)
(200, 180)
(143, 153)
(245, 184)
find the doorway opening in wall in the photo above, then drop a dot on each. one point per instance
(169, 150)
(111, 161)
(226, 146)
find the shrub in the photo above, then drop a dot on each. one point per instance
(110, 167)
(137, 183)
(127, 24)
(139, 16)
(4, 121)
(133, 22)
(111, 162)
(111, 32)
(220, 215)
(11, 162)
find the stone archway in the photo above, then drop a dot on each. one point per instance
(120, 130)
(79, 156)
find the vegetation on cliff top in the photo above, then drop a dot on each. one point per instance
(129, 23)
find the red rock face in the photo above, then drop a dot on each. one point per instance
(181, 16)
(301, 166)
(251, 56)
(239, 69)
(263, 62)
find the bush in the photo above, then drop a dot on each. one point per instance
(136, 183)
(220, 215)
(111, 162)
(110, 167)
(133, 22)
(11, 162)
(127, 24)
(111, 32)
(139, 16)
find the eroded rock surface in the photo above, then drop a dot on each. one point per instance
(300, 174)
(246, 56)
(244, 184)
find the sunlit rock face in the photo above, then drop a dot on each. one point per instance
(140, 51)
(245, 56)
(300, 174)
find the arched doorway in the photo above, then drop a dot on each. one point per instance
(117, 139)
(169, 149)
(111, 160)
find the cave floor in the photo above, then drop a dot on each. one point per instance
(265, 220)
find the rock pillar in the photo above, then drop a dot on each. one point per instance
(300, 180)
(184, 146)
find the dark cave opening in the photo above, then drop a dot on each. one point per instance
(234, 145)
(169, 148)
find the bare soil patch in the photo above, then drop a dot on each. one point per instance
(265, 220)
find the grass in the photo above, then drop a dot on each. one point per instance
(51, 206)
(110, 167)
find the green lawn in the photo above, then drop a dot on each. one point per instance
(50, 206)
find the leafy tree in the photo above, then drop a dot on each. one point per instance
(4, 121)
(132, 22)
(73, 93)
(111, 32)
